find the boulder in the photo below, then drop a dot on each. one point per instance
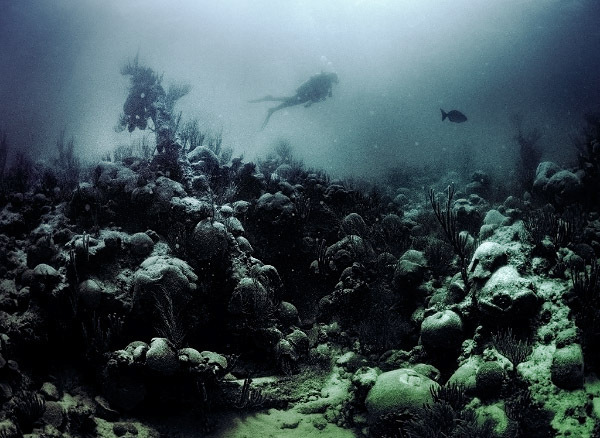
(190, 209)
(209, 243)
(507, 295)
(114, 179)
(141, 244)
(354, 224)
(410, 269)
(489, 380)
(398, 390)
(287, 314)
(564, 187)
(543, 173)
(348, 250)
(190, 357)
(566, 370)
(467, 214)
(202, 158)
(557, 185)
(54, 414)
(50, 391)
(488, 257)
(276, 209)
(161, 282)
(89, 294)
(161, 357)
(154, 199)
(442, 332)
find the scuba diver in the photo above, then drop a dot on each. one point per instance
(315, 89)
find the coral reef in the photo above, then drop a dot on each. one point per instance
(190, 282)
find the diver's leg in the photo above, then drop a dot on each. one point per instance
(269, 98)
(269, 114)
(285, 104)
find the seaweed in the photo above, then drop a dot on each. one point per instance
(452, 393)
(515, 350)
(81, 421)
(529, 418)
(169, 323)
(250, 398)
(447, 416)
(584, 300)
(459, 240)
(148, 101)
(28, 407)
(67, 164)
(190, 135)
(588, 154)
(440, 419)
(560, 229)
(100, 334)
(529, 152)
(3, 154)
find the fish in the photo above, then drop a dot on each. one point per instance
(454, 116)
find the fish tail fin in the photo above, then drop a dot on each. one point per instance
(444, 114)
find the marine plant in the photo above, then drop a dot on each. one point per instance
(100, 333)
(584, 300)
(446, 417)
(148, 101)
(5, 432)
(139, 148)
(250, 398)
(20, 175)
(529, 152)
(562, 229)
(588, 154)
(190, 135)
(515, 350)
(67, 164)
(28, 407)
(459, 240)
(322, 258)
(452, 393)
(383, 328)
(81, 421)
(440, 419)
(529, 418)
(365, 199)
(439, 254)
(169, 322)
(540, 223)
(3, 154)
(282, 154)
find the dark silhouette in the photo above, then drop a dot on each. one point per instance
(317, 88)
(454, 116)
(530, 153)
(148, 100)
